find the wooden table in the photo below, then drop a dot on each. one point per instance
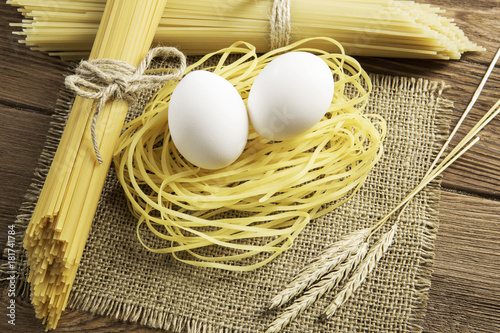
(465, 292)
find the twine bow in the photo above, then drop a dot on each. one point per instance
(106, 79)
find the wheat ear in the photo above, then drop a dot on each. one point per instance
(361, 272)
(325, 262)
(326, 283)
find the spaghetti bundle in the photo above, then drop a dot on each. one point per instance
(242, 216)
(384, 28)
(60, 224)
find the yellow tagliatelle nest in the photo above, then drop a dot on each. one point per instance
(244, 215)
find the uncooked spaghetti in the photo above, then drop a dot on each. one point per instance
(253, 209)
(381, 28)
(60, 224)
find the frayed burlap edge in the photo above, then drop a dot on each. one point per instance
(57, 125)
(161, 318)
(422, 280)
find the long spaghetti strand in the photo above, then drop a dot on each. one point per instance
(386, 28)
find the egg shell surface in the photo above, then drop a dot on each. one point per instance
(207, 120)
(290, 95)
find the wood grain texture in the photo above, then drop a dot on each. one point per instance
(465, 292)
(29, 79)
(21, 143)
(465, 289)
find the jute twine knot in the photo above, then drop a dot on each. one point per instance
(106, 79)
(281, 26)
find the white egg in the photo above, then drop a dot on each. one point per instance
(290, 95)
(207, 120)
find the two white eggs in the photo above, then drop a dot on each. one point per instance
(208, 120)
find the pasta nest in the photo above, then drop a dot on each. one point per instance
(244, 215)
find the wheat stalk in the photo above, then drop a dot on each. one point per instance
(324, 285)
(336, 254)
(356, 265)
(362, 271)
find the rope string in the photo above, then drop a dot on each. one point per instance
(280, 24)
(106, 79)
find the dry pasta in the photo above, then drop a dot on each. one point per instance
(60, 224)
(364, 27)
(251, 211)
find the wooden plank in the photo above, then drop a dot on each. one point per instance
(465, 291)
(28, 79)
(22, 137)
(72, 321)
(477, 172)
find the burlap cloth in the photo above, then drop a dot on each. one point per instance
(118, 277)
